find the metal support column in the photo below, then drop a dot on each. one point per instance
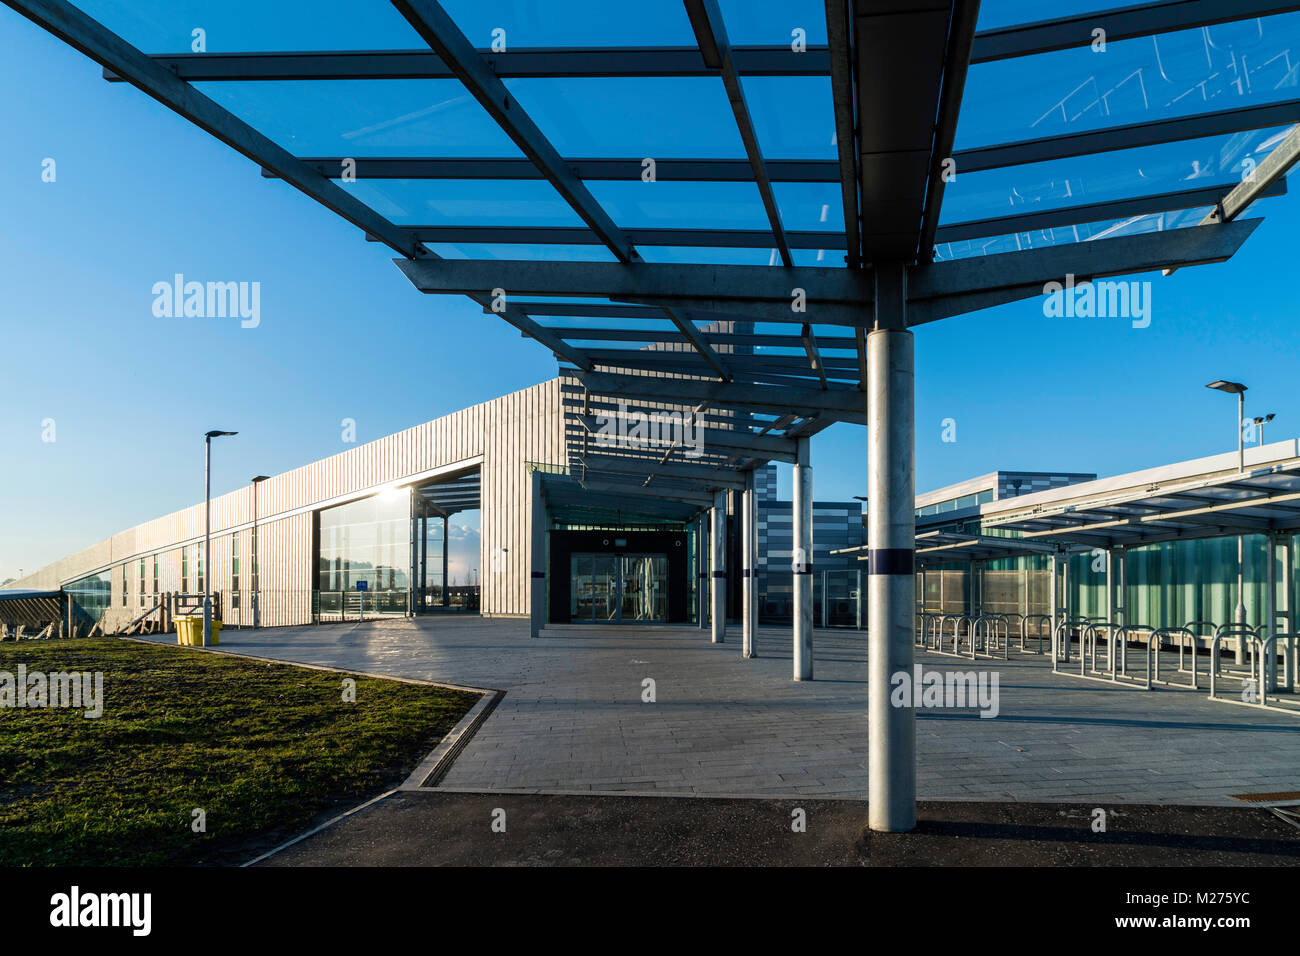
(1112, 603)
(702, 570)
(1269, 664)
(1054, 596)
(891, 537)
(801, 562)
(446, 566)
(1240, 614)
(537, 562)
(424, 558)
(749, 569)
(718, 567)
(1288, 610)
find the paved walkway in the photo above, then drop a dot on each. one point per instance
(573, 718)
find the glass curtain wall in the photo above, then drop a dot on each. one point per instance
(365, 549)
(91, 597)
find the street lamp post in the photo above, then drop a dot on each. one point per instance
(207, 532)
(257, 565)
(1236, 388)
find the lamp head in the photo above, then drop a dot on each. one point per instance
(1235, 388)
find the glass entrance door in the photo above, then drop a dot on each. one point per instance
(612, 588)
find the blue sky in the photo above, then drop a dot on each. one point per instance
(141, 194)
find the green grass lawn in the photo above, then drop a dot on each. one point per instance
(262, 748)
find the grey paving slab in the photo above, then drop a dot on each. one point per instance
(573, 718)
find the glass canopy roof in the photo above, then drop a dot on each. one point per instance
(674, 173)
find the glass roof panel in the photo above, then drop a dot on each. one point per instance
(1004, 13)
(429, 118)
(465, 202)
(1121, 174)
(587, 117)
(1227, 66)
(1038, 238)
(793, 116)
(681, 205)
(773, 22)
(573, 23)
(249, 26)
(812, 207)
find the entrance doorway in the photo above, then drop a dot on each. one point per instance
(617, 588)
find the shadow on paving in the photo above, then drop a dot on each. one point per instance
(440, 828)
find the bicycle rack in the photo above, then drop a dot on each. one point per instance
(985, 628)
(1240, 632)
(1117, 636)
(1263, 651)
(1183, 634)
(1024, 631)
(1064, 628)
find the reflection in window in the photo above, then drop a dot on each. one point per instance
(367, 541)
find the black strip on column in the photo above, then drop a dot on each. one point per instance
(719, 574)
(891, 561)
(539, 574)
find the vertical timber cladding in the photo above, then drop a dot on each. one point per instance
(507, 432)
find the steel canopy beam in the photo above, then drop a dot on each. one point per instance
(436, 28)
(705, 475)
(523, 62)
(666, 283)
(938, 290)
(617, 169)
(1121, 23)
(705, 350)
(96, 41)
(956, 62)
(839, 29)
(711, 35)
(843, 404)
(754, 445)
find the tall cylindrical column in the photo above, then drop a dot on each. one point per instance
(891, 537)
(702, 590)
(446, 567)
(748, 560)
(1054, 596)
(718, 566)
(801, 562)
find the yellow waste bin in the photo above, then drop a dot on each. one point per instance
(189, 630)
